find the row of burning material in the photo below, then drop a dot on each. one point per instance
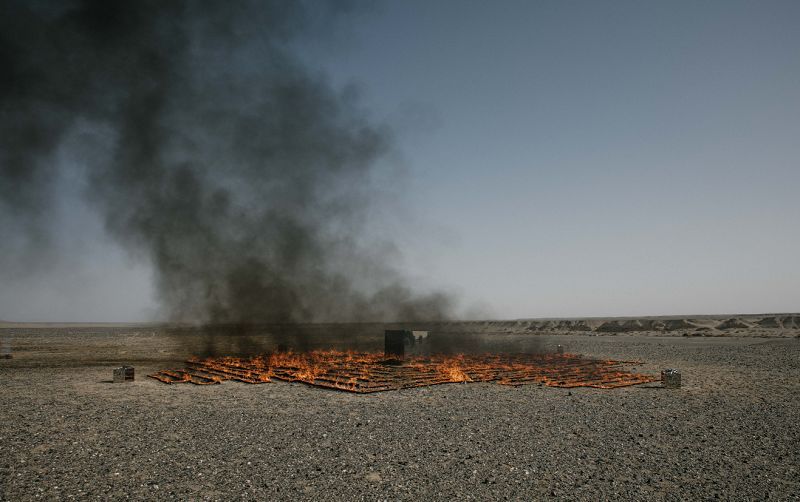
(403, 365)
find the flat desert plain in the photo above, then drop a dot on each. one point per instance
(731, 431)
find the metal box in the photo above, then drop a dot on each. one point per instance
(123, 374)
(670, 378)
(400, 342)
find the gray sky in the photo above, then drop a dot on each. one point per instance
(562, 159)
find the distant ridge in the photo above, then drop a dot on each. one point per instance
(655, 317)
(697, 325)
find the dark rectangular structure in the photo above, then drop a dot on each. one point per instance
(123, 374)
(399, 343)
(395, 341)
(671, 378)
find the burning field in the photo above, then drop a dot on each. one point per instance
(364, 372)
(407, 362)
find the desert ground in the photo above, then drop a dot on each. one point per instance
(731, 431)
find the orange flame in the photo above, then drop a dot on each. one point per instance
(365, 372)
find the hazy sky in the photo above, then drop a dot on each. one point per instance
(562, 158)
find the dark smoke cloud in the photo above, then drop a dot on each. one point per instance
(210, 150)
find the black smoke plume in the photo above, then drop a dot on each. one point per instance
(211, 150)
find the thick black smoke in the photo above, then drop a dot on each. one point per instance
(210, 150)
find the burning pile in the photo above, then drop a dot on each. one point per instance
(366, 372)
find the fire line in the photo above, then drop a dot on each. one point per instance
(367, 372)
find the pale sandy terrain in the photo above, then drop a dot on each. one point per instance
(730, 432)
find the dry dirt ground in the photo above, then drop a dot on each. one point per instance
(732, 431)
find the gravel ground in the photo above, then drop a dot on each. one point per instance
(730, 432)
